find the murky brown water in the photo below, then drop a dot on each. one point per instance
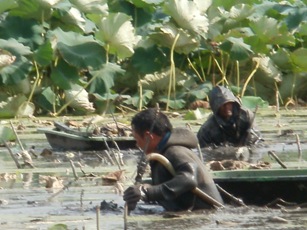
(25, 203)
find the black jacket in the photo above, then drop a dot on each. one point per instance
(237, 131)
(174, 192)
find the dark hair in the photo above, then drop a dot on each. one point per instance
(151, 120)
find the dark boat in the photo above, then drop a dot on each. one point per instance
(262, 186)
(62, 137)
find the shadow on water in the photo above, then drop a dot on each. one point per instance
(26, 203)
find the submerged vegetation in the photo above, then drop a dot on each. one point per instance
(101, 56)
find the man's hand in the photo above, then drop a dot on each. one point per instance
(134, 194)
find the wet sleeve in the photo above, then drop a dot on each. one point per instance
(184, 181)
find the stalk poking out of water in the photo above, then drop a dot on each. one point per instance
(97, 216)
(108, 148)
(125, 216)
(12, 155)
(17, 137)
(299, 148)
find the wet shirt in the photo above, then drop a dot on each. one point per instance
(174, 192)
(235, 131)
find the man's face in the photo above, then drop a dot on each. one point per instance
(225, 111)
(142, 141)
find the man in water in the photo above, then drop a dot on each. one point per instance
(230, 123)
(154, 134)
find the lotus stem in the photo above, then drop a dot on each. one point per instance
(172, 77)
(126, 213)
(35, 83)
(299, 147)
(272, 153)
(195, 70)
(12, 155)
(97, 216)
(17, 137)
(250, 77)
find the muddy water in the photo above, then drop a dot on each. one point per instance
(26, 203)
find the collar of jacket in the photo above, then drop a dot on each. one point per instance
(163, 141)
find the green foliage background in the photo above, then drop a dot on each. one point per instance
(101, 56)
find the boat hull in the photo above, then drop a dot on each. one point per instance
(262, 186)
(60, 140)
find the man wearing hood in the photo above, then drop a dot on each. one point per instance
(174, 191)
(230, 123)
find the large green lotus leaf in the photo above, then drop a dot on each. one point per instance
(299, 59)
(270, 31)
(201, 91)
(25, 31)
(104, 103)
(20, 68)
(284, 37)
(282, 59)
(34, 9)
(258, 46)
(77, 97)
(237, 49)
(266, 28)
(240, 11)
(293, 86)
(16, 72)
(63, 74)
(303, 29)
(14, 47)
(135, 100)
(71, 16)
(296, 17)
(268, 68)
(104, 78)
(146, 3)
(166, 35)
(68, 37)
(26, 109)
(187, 15)
(148, 60)
(117, 32)
(48, 3)
(10, 106)
(78, 50)
(159, 82)
(86, 55)
(227, 4)
(47, 100)
(44, 54)
(173, 103)
(252, 102)
(6, 134)
(193, 115)
(92, 6)
(203, 5)
(6, 5)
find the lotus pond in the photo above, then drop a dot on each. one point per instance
(34, 197)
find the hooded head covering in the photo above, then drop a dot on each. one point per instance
(220, 95)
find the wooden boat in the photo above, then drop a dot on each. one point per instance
(62, 137)
(262, 186)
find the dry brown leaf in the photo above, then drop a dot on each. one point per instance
(51, 181)
(114, 176)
